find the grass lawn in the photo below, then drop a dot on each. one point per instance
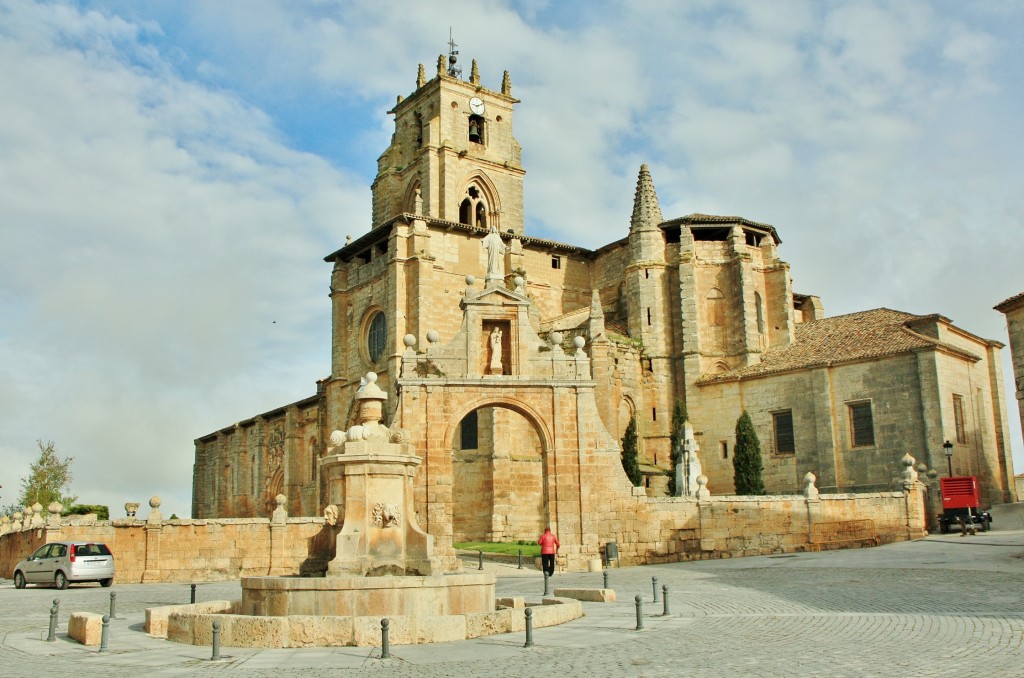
(529, 550)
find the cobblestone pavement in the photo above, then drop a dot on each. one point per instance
(943, 606)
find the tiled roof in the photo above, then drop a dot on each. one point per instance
(617, 326)
(844, 338)
(1007, 303)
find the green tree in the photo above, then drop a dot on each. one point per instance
(630, 454)
(102, 512)
(48, 479)
(676, 442)
(746, 458)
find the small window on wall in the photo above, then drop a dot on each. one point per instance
(376, 336)
(725, 449)
(556, 261)
(468, 431)
(958, 418)
(862, 425)
(782, 422)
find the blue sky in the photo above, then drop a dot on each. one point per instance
(172, 173)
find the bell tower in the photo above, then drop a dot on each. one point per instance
(453, 145)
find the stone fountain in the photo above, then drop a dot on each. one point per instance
(384, 562)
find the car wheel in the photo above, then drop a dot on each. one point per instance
(19, 580)
(106, 583)
(60, 580)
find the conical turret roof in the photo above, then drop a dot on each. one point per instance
(646, 211)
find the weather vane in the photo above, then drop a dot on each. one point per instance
(453, 57)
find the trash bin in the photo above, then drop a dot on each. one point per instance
(611, 552)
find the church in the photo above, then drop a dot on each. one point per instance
(515, 363)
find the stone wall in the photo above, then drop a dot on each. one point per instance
(678, 529)
(181, 550)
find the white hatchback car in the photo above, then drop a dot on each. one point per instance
(63, 562)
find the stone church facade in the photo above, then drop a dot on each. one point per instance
(515, 363)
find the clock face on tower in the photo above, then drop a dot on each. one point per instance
(476, 105)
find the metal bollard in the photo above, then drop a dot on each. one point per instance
(385, 650)
(605, 573)
(105, 635)
(664, 597)
(547, 583)
(654, 585)
(113, 600)
(216, 640)
(529, 628)
(480, 557)
(639, 613)
(520, 559)
(193, 599)
(52, 635)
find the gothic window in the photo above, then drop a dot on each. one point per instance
(376, 335)
(958, 418)
(715, 307)
(759, 303)
(862, 425)
(714, 326)
(476, 129)
(473, 208)
(785, 442)
(468, 430)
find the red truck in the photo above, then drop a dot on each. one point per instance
(961, 502)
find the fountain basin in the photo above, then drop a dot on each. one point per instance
(193, 624)
(357, 596)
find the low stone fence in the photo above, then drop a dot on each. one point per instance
(671, 529)
(157, 550)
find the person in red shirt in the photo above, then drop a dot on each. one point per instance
(548, 548)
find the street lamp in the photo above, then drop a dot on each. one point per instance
(948, 447)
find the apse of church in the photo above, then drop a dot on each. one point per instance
(698, 309)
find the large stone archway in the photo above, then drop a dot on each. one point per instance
(579, 460)
(499, 476)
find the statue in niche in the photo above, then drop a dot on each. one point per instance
(495, 339)
(495, 255)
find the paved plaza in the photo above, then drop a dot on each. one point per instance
(943, 606)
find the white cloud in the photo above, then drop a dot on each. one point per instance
(163, 250)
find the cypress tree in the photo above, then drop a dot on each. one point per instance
(630, 454)
(676, 443)
(746, 458)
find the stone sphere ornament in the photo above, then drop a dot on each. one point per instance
(579, 342)
(470, 280)
(433, 337)
(409, 340)
(154, 502)
(556, 338)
